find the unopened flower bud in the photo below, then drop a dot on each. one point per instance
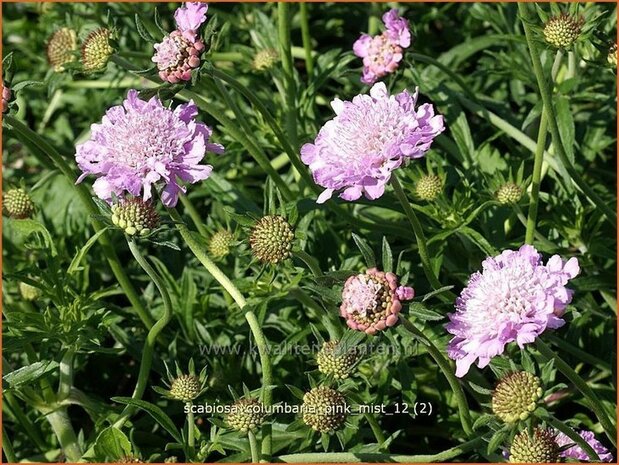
(6, 97)
(612, 56)
(324, 409)
(135, 216)
(265, 59)
(541, 447)
(509, 193)
(186, 388)
(17, 204)
(219, 244)
(429, 187)
(516, 396)
(562, 31)
(271, 239)
(330, 363)
(96, 50)
(28, 292)
(246, 414)
(61, 48)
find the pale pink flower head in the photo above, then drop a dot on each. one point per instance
(515, 298)
(369, 138)
(576, 452)
(6, 97)
(142, 143)
(371, 301)
(179, 52)
(383, 53)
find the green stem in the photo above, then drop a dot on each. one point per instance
(65, 370)
(307, 39)
(353, 457)
(31, 430)
(283, 27)
(263, 351)
(41, 146)
(151, 337)
(570, 433)
(61, 425)
(7, 447)
(535, 180)
(591, 398)
(546, 94)
(376, 429)
(253, 447)
(194, 215)
(448, 372)
(419, 236)
(191, 433)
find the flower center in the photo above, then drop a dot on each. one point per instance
(170, 52)
(382, 49)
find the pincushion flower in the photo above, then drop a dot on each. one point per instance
(577, 453)
(369, 138)
(179, 52)
(142, 143)
(372, 301)
(382, 53)
(515, 298)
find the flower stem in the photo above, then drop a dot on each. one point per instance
(65, 370)
(448, 372)
(253, 447)
(40, 147)
(354, 457)
(307, 39)
(419, 236)
(151, 337)
(283, 27)
(191, 433)
(548, 108)
(7, 447)
(591, 398)
(570, 433)
(195, 216)
(61, 425)
(376, 429)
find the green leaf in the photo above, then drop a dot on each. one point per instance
(387, 257)
(483, 421)
(30, 373)
(112, 444)
(366, 251)
(75, 263)
(421, 312)
(497, 439)
(298, 393)
(142, 31)
(26, 228)
(436, 292)
(565, 121)
(158, 415)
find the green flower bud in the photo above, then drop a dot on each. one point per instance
(509, 193)
(171, 459)
(246, 415)
(185, 388)
(219, 245)
(130, 459)
(265, 59)
(29, 293)
(339, 366)
(429, 187)
(271, 239)
(96, 50)
(542, 447)
(516, 396)
(612, 56)
(17, 204)
(562, 31)
(324, 409)
(135, 217)
(61, 47)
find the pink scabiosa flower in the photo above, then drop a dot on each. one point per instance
(179, 52)
(142, 143)
(382, 53)
(514, 298)
(371, 301)
(577, 453)
(369, 138)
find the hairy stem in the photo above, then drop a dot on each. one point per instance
(61, 425)
(283, 28)
(546, 93)
(448, 372)
(352, 457)
(151, 337)
(194, 215)
(307, 39)
(253, 447)
(65, 382)
(590, 397)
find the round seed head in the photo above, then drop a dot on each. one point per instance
(135, 216)
(185, 388)
(61, 47)
(562, 31)
(271, 239)
(516, 396)
(28, 292)
(96, 50)
(219, 245)
(171, 459)
(17, 204)
(265, 59)
(541, 447)
(246, 415)
(324, 409)
(612, 56)
(339, 366)
(509, 193)
(130, 459)
(429, 187)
